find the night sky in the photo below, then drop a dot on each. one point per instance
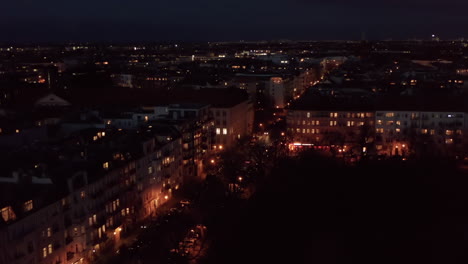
(212, 20)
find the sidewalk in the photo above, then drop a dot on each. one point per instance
(129, 239)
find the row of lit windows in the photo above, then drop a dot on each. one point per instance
(308, 131)
(348, 123)
(112, 207)
(156, 79)
(424, 131)
(309, 123)
(416, 115)
(336, 115)
(218, 131)
(47, 250)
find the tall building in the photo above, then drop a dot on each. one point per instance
(276, 91)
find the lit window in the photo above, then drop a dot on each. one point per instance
(224, 131)
(389, 114)
(448, 141)
(218, 131)
(378, 147)
(8, 214)
(423, 131)
(397, 130)
(308, 115)
(82, 194)
(44, 252)
(379, 122)
(459, 132)
(432, 131)
(49, 232)
(28, 206)
(448, 132)
(150, 170)
(398, 123)
(350, 123)
(105, 165)
(317, 123)
(332, 123)
(50, 248)
(379, 130)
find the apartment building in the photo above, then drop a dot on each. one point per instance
(404, 132)
(73, 209)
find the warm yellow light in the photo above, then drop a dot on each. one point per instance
(240, 178)
(220, 146)
(212, 161)
(166, 197)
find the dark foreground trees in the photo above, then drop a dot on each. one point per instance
(313, 210)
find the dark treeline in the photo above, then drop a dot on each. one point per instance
(314, 210)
